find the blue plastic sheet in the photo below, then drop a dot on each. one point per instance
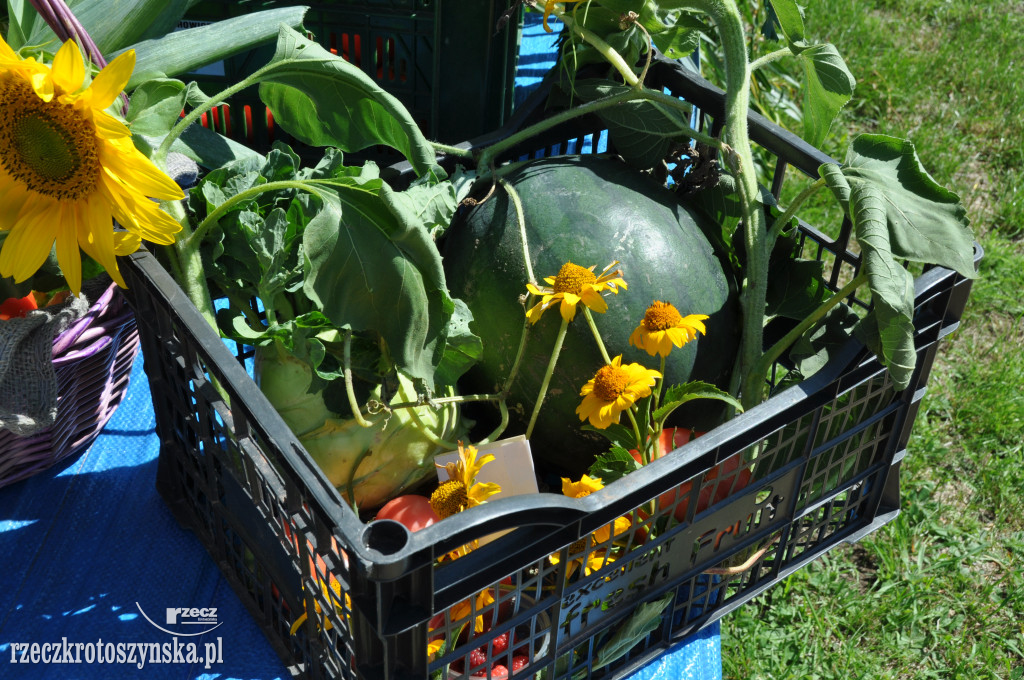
(91, 559)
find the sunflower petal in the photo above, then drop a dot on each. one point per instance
(108, 83)
(138, 174)
(68, 255)
(108, 127)
(28, 244)
(68, 68)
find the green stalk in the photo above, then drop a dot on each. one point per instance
(488, 154)
(766, 59)
(597, 335)
(784, 218)
(776, 350)
(606, 50)
(727, 19)
(555, 351)
(193, 240)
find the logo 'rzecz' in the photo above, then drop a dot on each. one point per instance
(207, 615)
(184, 619)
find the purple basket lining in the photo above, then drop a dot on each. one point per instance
(92, 381)
(97, 309)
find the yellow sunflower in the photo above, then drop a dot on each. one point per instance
(612, 390)
(574, 284)
(594, 559)
(549, 6)
(663, 326)
(68, 168)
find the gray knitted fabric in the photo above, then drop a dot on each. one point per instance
(28, 383)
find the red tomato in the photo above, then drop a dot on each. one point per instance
(411, 510)
(14, 308)
(673, 438)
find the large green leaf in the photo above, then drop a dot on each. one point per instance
(375, 269)
(114, 25)
(641, 131)
(323, 100)
(926, 222)
(892, 286)
(184, 51)
(828, 85)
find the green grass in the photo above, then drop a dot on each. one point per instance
(938, 593)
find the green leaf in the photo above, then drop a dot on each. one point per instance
(644, 621)
(813, 349)
(462, 347)
(642, 131)
(207, 148)
(613, 465)
(114, 25)
(21, 19)
(796, 288)
(155, 107)
(791, 21)
(323, 100)
(618, 435)
(181, 52)
(926, 222)
(828, 85)
(677, 395)
(375, 270)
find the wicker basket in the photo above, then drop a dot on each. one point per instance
(92, 359)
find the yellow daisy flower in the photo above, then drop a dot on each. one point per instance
(334, 594)
(612, 390)
(663, 326)
(462, 491)
(549, 6)
(68, 168)
(461, 610)
(594, 559)
(574, 284)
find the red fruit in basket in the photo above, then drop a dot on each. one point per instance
(673, 438)
(519, 663)
(500, 643)
(498, 672)
(15, 308)
(411, 510)
(477, 658)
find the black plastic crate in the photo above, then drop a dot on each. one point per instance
(445, 60)
(826, 472)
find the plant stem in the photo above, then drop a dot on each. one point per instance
(766, 59)
(195, 238)
(488, 154)
(606, 50)
(776, 350)
(195, 114)
(451, 150)
(597, 335)
(555, 351)
(353, 404)
(726, 17)
(783, 219)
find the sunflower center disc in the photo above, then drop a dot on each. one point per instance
(48, 146)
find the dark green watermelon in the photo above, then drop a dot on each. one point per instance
(588, 210)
